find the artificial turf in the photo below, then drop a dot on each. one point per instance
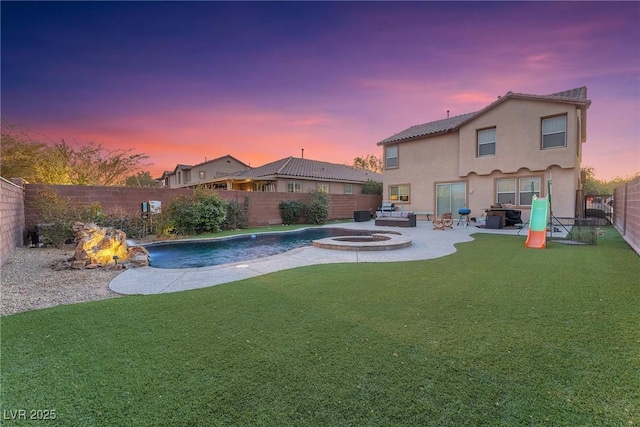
(495, 334)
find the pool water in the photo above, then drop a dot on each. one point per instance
(239, 248)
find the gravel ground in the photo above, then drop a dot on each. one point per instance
(28, 282)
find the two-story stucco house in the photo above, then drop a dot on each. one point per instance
(202, 174)
(517, 146)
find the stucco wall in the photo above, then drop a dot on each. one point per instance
(421, 164)
(626, 213)
(12, 220)
(518, 139)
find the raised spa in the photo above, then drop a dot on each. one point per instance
(382, 241)
(203, 253)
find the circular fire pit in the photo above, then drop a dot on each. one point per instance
(375, 242)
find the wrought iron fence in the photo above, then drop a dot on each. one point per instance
(599, 207)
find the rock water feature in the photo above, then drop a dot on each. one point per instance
(104, 247)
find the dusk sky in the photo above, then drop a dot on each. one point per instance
(185, 81)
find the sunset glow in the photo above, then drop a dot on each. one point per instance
(185, 81)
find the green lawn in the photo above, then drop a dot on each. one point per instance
(496, 335)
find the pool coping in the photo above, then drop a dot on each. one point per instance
(426, 244)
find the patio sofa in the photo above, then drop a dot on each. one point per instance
(396, 219)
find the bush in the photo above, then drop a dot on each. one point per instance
(237, 215)
(372, 187)
(203, 212)
(58, 214)
(317, 207)
(134, 226)
(291, 211)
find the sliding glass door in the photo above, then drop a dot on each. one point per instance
(451, 197)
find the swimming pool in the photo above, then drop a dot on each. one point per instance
(191, 253)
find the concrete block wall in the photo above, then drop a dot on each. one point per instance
(626, 212)
(124, 199)
(263, 207)
(12, 220)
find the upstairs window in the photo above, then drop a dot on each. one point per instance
(348, 189)
(487, 142)
(554, 132)
(391, 157)
(201, 174)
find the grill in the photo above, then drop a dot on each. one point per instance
(388, 207)
(463, 216)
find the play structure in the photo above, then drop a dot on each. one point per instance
(537, 237)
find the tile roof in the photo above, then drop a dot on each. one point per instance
(439, 126)
(574, 96)
(182, 167)
(294, 167)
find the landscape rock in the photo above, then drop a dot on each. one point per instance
(103, 247)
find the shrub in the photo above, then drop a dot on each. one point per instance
(134, 226)
(317, 207)
(372, 187)
(291, 211)
(58, 214)
(203, 212)
(237, 215)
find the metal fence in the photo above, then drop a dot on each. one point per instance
(574, 231)
(599, 207)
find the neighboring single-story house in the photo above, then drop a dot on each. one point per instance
(298, 175)
(517, 146)
(202, 174)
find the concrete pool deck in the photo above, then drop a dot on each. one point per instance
(427, 243)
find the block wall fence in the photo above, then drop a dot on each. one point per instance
(626, 212)
(12, 219)
(263, 207)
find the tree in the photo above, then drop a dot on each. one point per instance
(18, 153)
(368, 162)
(141, 179)
(61, 163)
(372, 187)
(88, 164)
(591, 184)
(594, 186)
